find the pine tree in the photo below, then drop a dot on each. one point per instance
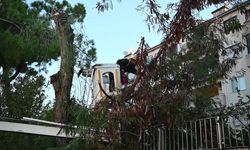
(26, 38)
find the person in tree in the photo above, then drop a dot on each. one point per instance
(124, 78)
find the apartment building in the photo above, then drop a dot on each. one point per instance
(239, 79)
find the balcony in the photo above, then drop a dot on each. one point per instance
(220, 99)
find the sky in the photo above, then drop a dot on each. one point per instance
(117, 30)
(121, 28)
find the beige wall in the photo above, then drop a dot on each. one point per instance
(241, 67)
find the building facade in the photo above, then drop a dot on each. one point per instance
(238, 80)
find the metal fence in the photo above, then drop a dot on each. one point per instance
(209, 133)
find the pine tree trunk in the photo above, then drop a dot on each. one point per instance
(62, 80)
(5, 89)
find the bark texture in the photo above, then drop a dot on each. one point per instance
(62, 80)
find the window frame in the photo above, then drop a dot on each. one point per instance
(110, 80)
(236, 84)
(226, 24)
(247, 15)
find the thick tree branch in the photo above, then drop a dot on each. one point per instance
(12, 23)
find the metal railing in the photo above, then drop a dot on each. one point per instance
(209, 133)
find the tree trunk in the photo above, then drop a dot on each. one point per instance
(62, 80)
(5, 91)
(7, 101)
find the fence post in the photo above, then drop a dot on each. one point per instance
(219, 132)
(159, 138)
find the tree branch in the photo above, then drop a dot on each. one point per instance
(108, 96)
(12, 23)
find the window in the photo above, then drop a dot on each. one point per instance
(149, 59)
(248, 43)
(174, 49)
(238, 83)
(228, 23)
(108, 82)
(247, 15)
(231, 51)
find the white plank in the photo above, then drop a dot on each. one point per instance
(34, 129)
